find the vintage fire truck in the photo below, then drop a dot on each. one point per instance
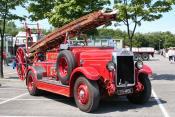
(84, 72)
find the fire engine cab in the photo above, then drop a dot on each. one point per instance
(84, 72)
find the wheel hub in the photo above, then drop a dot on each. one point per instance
(63, 66)
(83, 94)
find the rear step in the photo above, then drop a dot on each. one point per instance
(52, 81)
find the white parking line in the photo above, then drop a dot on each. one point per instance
(165, 113)
(34, 99)
(2, 88)
(14, 98)
(10, 73)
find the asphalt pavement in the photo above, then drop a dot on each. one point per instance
(15, 100)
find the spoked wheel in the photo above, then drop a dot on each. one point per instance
(86, 94)
(21, 63)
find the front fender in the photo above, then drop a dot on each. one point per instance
(37, 70)
(30, 68)
(89, 72)
(146, 70)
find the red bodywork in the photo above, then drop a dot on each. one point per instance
(91, 62)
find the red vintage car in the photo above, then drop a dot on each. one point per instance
(84, 72)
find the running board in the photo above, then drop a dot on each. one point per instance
(54, 87)
(52, 81)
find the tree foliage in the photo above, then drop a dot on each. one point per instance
(5, 14)
(153, 39)
(11, 28)
(116, 34)
(61, 12)
(11, 5)
(133, 12)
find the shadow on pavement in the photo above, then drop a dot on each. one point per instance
(58, 98)
(121, 104)
(108, 105)
(170, 77)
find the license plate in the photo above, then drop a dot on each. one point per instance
(124, 91)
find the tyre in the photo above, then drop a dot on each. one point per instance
(137, 57)
(65, 65)
(31, 86)
(86, 94)
(21, 62)
(145, 57)
(143, 96)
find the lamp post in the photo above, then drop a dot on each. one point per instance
(159, 43)
(159, 46)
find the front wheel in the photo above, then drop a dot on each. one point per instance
(143, 96)
(86, 94)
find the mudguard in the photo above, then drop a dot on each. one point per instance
(146, 70)
(89, 72)
(37, 70)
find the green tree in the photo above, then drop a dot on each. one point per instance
(158, 39)
(153, 39)
(168, 40)
(133, 12)
(10, 28)
(61, 12)
(5, 14)
(45, 32)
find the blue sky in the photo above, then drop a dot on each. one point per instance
(166, 23)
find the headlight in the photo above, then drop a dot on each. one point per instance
(110, 66)
(139, 64)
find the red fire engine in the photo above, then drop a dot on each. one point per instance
(84, 72)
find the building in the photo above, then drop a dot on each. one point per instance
(8, 44)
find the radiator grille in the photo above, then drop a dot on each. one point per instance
(125, 70)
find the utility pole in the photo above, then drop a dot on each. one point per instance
(1, 64)
(2, 41)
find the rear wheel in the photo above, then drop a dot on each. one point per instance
(31, 86)
(21, 62)
(86, 94)
(143, 96)
(145, 57)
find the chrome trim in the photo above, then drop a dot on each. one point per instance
(122, 52)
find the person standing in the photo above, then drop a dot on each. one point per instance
(112, 42)
(171, 54)
(5, 58)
